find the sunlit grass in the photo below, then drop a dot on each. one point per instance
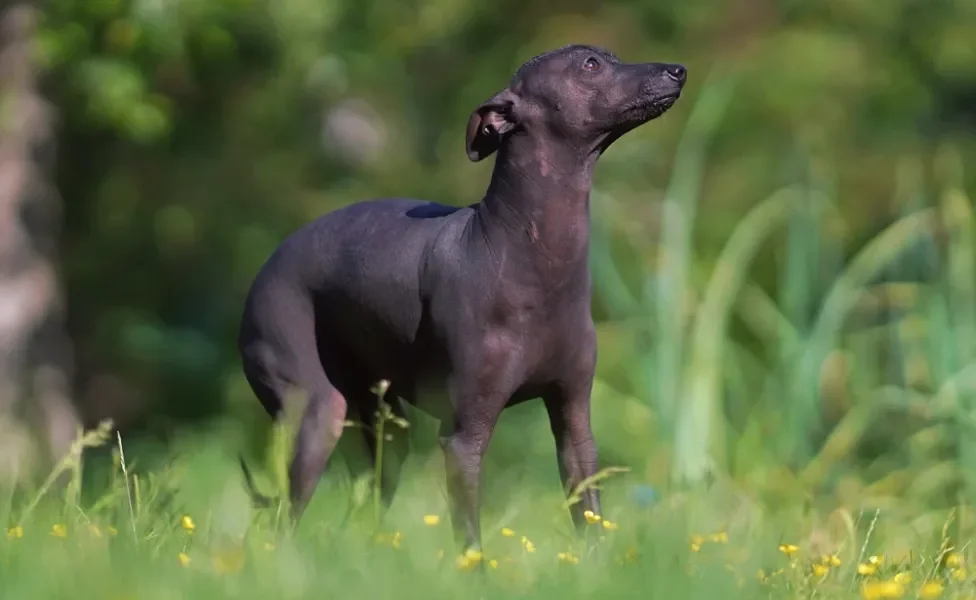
(688, 545)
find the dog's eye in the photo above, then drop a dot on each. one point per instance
(591, 64)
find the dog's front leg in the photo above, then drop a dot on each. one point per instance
(464, 439)
(569, 416)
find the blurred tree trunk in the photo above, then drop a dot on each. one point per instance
(35, 354)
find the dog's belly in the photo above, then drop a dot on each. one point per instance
(429, 393)
(419, 374)
(375, 346)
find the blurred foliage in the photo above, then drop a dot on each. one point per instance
(195, 134)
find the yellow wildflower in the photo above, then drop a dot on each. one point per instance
(720, 538)
(431, 520)
(830, 560)
(187, 524)
(903, 578)
(788, 549)
(610, 526)
(876, 560)
(568, 558)
(959, 574)
(394, 540)
(591, 517)
(866, 569)
(953, 560)
(230, 560)
(506, 532)
(930, 590)
(820, 570)
(469, 559)
(15, 533)
(875, 590)
(59, 530)
(696, 542)
(529, 546)
(184, 559)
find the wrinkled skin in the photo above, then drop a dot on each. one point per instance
(580, 96)
(465, 311)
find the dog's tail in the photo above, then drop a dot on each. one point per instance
(257, 498)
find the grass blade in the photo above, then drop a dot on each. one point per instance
(841, 299)
(679, 211)
(699, 439)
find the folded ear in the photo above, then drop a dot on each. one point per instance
(489, 123)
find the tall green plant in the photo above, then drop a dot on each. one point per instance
(669, 287)
(804, 402)
(700, 423)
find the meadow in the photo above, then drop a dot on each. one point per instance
(813, 444)
(188, 531)
(784, 272)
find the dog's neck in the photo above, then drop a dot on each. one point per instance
(539, 198)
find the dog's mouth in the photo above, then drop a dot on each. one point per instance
(641, 111)
(647, 109)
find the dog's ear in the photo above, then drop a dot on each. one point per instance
(489, 123)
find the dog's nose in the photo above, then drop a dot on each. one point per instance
(677, 72)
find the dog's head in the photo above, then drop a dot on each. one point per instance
(582, 95)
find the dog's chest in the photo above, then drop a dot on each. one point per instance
(537, 320)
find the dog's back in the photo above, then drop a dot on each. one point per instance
(353, 276)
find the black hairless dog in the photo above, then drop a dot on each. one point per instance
(490, 303)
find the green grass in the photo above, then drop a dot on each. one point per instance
(127, 542)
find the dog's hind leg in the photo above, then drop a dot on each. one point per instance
(318, 435)
(279, 352)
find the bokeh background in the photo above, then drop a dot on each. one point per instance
(784, 269)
